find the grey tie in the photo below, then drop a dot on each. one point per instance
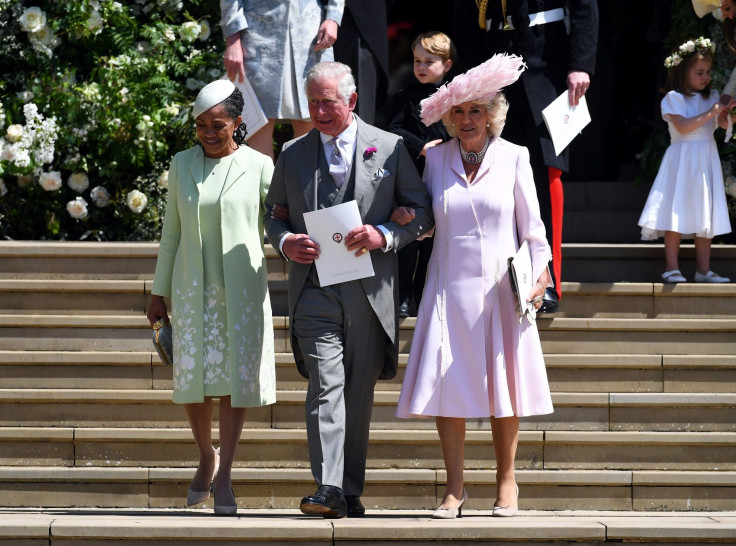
(338, 165)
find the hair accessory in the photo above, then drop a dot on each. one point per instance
(688, 48)
(479, 83)
(211, 95)
(473, 158)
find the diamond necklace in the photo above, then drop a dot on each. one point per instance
(474, 158)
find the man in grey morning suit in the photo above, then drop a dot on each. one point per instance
(344, 336)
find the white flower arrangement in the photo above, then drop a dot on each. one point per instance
(14, 133)
(50, 181)
(190, 31)
(100, 196)
(94, 22)
(77, 208)
(163, 180)
(731, 186)
(137, 201)
(205, 30)
(688, 48)
(78, 181)
(33, 19)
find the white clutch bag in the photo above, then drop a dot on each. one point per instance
(520, 275)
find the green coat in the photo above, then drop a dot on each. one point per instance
(179, 276)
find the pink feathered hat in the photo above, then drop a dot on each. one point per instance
(479, 83)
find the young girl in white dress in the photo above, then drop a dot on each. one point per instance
(688, 198)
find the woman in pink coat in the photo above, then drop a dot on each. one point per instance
(471, 356)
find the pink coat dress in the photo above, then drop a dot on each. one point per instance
(470, 357)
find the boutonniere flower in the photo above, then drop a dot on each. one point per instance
(369, 152)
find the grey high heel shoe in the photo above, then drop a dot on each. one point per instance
(507, 511)
(226, 509)
(451, 513)
(196, 497)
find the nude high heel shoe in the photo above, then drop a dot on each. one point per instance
(451, 513)
(196, 497)
(507, 511)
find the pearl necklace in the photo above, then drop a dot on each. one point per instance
(474, 158)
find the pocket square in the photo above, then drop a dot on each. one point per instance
(380, 173)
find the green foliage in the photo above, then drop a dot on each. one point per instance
(102, 88)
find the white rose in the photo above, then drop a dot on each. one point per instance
(15, 132)
(24, 180)
(204, 30)
(169, 35)
(731, 189)
(163, 180)
(189, 31)
(100, 196)
(214, 73)
(78, 181)
(50, 181)
(3, 188)
(77, 208)
(137, 201)
(193, 84)
(33, 19)
(94, 22)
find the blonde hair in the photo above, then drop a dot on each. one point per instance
(496, 108)
(436, 43)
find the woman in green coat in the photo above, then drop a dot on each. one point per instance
(212, 266)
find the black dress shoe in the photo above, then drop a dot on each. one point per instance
(328, 502)
(404, 309)
(355, 507)
(550, 303)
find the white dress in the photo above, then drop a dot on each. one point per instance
(688, 195)
(470, 356)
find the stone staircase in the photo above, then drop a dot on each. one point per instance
(643, 378)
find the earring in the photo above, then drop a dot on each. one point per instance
(488, 124)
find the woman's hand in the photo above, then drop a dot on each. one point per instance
(537, 292)
(280, 212)
(157, 310)
(403, 215)
(234, 58)
(428, 145)
(326, 35)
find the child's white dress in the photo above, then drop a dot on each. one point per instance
(688, 195)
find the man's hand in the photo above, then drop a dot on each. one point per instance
(300, 248)
(234, 58)
(326, 35)
(364, 238)
(577, 84)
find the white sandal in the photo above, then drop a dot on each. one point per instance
(673, 276)
(710, 277)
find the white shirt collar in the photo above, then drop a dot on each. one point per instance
(346, 139)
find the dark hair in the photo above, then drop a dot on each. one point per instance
(729, 29)
(233, 108)
(677, 77)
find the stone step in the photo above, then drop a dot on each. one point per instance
(81, 260)
(583, 262)
(647, 300)
(561, 335)
(698, 412)
(565, 372)
(389, 449)
(386, 489)
(601, 300)
(595, 262)
(283, 527)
